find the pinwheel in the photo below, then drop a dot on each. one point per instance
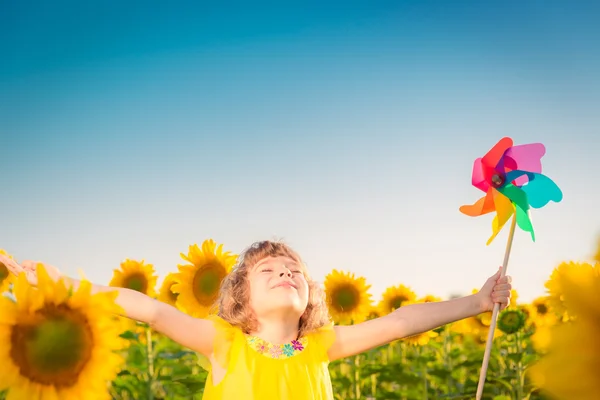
(512, 179)
(513, 183)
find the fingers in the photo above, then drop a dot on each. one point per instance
(29, 264)
(497, 274)
(503, 286)
(501, 297)
(11, 264)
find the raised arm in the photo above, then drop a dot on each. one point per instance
(193, 333)
(418, 318)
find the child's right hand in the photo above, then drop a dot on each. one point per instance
(29, 268)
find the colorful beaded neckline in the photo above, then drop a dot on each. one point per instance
(277, 351)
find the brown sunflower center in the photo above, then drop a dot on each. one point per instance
(345, 298)
(397, 301)
(207, 282)
(137, 282)
(53, 347)
(541, 309)
(3, 272)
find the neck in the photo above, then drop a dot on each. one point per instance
(277, 330)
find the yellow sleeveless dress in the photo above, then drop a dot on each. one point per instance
(258, 370)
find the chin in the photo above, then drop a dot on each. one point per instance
(288, 302)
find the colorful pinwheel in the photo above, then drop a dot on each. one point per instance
(512, 181)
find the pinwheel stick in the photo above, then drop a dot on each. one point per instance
(490, 338)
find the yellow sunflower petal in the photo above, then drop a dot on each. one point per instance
(197, 284)
(166, 295)
(348, 297)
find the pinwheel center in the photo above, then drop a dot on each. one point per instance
(497, 180)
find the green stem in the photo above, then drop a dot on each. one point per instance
(150, 360)
(373, 386)
(448, 359)
(424, 372)
(357, 377)
(519, 369)
(403, 363)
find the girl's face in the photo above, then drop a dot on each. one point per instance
(277, 284)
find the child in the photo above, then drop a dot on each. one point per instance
(272, 337)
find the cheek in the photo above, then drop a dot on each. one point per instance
(304, 291)
(257, 290)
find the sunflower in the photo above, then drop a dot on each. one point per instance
(541, 313)
(6, 278)
(373, 313)
(420, 339)
(198, 283)
(511, 321)
(429, 299)
(542, 337)
(570, 368)
(57, 343)
(578, 272)
(476, 327)
(165, 294)
(394, 297)
(135, 275)
(348, 297)
(597, 255)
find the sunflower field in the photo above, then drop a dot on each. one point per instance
(59, 344)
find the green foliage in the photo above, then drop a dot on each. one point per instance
(157, 368)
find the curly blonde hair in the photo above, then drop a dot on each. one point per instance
(234, 296)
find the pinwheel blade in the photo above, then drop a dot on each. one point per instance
(525, 157)
(482, 206)
(540, 189)
(494, 156)
(519, 198)
(478, 178)
(504, 210)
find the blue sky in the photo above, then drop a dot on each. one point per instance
(347, 129)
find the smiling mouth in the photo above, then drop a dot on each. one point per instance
(286, 284)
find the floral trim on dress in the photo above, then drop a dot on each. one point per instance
(277, 351)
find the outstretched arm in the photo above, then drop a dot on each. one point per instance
(194, 333)
(418, 318)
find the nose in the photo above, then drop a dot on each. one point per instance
(285, 272)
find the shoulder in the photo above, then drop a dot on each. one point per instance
(225, 332)
(225, 337)
(322, 338)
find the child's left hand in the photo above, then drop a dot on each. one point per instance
(495, 290)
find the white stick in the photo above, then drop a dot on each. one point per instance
(490, 339)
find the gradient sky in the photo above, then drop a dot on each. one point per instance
(347, 129)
